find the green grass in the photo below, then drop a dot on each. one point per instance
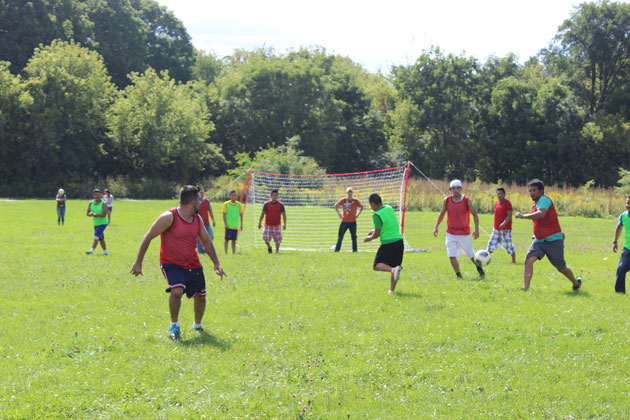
(304, 335)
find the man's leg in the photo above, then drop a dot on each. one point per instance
(455, 264)
(528, 271)
(103, 245)
(199, 306)
(175, 302)
(277, 247)
(94, 243)
(569, 274)
(233, 246)
(200, 249)
(622, 269)
(353, 234)
(343, 226)
(225, 245)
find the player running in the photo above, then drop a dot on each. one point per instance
(548, 237)
(390, 254)
(502, 231)
(98, 211)
(624, 258)
(179, 228)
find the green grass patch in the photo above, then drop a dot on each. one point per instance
(304, 334)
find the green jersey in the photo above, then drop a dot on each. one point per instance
(98, 209)
(624, 220)
(233, 214)
(385, 219)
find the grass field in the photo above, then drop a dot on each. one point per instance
(305, 335)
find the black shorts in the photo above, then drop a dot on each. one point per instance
(191, 280)
(390, 254)
(231, 234)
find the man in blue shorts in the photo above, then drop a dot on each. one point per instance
(98, 211)
(624, 259)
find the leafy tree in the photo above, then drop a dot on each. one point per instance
(284, 159)
(25, 25)
(15, 104)
(159, 129)
(169, 46)
(444, 88)
(597, 39)
(207, 67)
(71, 93)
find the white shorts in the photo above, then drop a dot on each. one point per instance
(455, 243)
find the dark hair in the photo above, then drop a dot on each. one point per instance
(233, 191)
(537, 183)
(96, 190)
(106, 190)
(188, 193)
(375, 198)
(273, 191)
(501, 189)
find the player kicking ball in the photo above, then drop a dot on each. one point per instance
(390, 254)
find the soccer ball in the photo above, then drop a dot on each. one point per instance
(482, 257)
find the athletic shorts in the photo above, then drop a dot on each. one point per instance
(274, 232)
(231, 234)
(390, 254)
(554, 250)
(109, 209)
(501, 237)
(99, 232)
(191, 280)
(457, 243)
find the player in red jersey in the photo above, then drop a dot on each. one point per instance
(502, 230)
(179, 228)
(458, 207)
(271, 211)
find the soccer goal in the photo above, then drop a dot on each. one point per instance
(309, 200)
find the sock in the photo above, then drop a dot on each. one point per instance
(91, 249)
(105, 252)
(479, 269)
(458, 274)
(174, 324)
(196, 325)
(393, 269)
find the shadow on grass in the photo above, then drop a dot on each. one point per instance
(580, 293)
(206, 339)
(408, 294)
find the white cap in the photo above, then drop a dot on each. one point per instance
(456, 183)
(61, 191)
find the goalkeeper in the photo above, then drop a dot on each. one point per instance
(390, 254)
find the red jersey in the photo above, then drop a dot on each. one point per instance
(501, 213)
(349, 209)
(179, 242)
(458, 222)
(548, 225)
(272, 212)
(204, 208)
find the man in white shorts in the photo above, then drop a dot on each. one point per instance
(458, 207)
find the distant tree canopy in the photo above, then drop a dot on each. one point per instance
(93, 89)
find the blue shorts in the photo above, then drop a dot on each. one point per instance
(191, 280)
(231, 234)
(109, 209)
(99, 232)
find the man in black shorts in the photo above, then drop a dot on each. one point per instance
(390, 254)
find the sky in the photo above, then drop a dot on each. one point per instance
(375, 34)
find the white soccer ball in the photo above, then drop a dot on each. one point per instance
(482, 257)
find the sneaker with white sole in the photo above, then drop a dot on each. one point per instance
(174, 332)
(396, 273)
(579, 280)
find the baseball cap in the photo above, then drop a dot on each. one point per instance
(96, 190)
(348, 189)
(456, 183)
(61, 191)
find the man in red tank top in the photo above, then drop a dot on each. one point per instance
(179, 228)
(458, 207)
(271, 211)
(548, 237)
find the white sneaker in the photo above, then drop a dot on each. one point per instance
(397, 273)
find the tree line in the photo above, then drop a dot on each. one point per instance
(97, 90)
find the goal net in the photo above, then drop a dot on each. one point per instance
(309, 201)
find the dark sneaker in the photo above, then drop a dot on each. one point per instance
(174, 332)
(482, 273)
(269, 250)
(200, 329)
(459, 275)
(89, 252)
(579, 280)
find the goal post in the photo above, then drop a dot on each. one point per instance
(309, 201)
